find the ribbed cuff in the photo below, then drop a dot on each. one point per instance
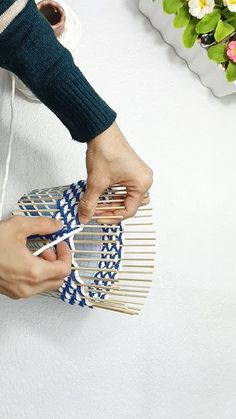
(77, 105)
(5, 4)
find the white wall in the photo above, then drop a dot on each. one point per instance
(177, 359)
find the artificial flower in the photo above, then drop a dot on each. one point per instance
(200, 8)
(231, 4)
(231, 51)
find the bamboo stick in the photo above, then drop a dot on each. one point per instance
(119, 279)
(91, 269)
(118, 310)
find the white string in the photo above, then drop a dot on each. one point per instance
(58, 240)
(9, 152)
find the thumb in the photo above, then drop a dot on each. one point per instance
(28, 226)
(88, 202)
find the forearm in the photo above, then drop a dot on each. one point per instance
(29, 49)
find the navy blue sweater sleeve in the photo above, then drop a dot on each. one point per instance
(29, 49)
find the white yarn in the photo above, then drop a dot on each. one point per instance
(9, 152)
(57, 241)
(69, 39)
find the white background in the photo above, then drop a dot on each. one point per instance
(177, 360)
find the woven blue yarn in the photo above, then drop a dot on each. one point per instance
(72, 290)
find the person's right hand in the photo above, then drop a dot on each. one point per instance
(23, 274)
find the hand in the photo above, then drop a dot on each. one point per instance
(110, 160)
(22, 274)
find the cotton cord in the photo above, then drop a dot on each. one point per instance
(69, 39)
(9, 152)
(57, 241)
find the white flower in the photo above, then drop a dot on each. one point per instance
(200, 8)
(231, 4)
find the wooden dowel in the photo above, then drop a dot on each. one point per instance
(139, 266)
(97, 259)
(114, 260)
(110, 208)
(122, 294)
(95, 217)
(53, 210)
(139, 253)
(39, 240)
(96, 269)
(137, 259)
(92, 252)
(102, 287)
(138, 245)
(116, 289)
(118, 280)
(113, 193)
(137, 224)
(95, 241)
(118, 310)
(90, 269)
(133, 280)
(140, 238)
(117, 188)
(138, 231)
(130, 286)
(114, 301)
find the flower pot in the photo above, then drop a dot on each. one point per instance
(210, 74)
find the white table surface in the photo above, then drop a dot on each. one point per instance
(177, 359)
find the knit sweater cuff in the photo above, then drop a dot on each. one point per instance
(5, 4)
(29, 48)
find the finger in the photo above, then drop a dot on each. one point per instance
(145, 201)
(63, 253)
(28, 226)
(60, 268)
(132, 203)
(88, 203)
(26, 291)
(6, 293)
(50, 285)
(49, 255)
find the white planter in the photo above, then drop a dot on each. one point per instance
(210, 74)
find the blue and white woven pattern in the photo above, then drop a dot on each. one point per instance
(62, 203)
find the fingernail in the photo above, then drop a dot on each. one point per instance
(83, 219)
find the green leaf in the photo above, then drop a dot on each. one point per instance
(190, 34)
(232, 20)
(231, 72)
(208, 22)
(218, 53)
(225, 12)
(223, 29)
(182, 17)
(172, 6)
